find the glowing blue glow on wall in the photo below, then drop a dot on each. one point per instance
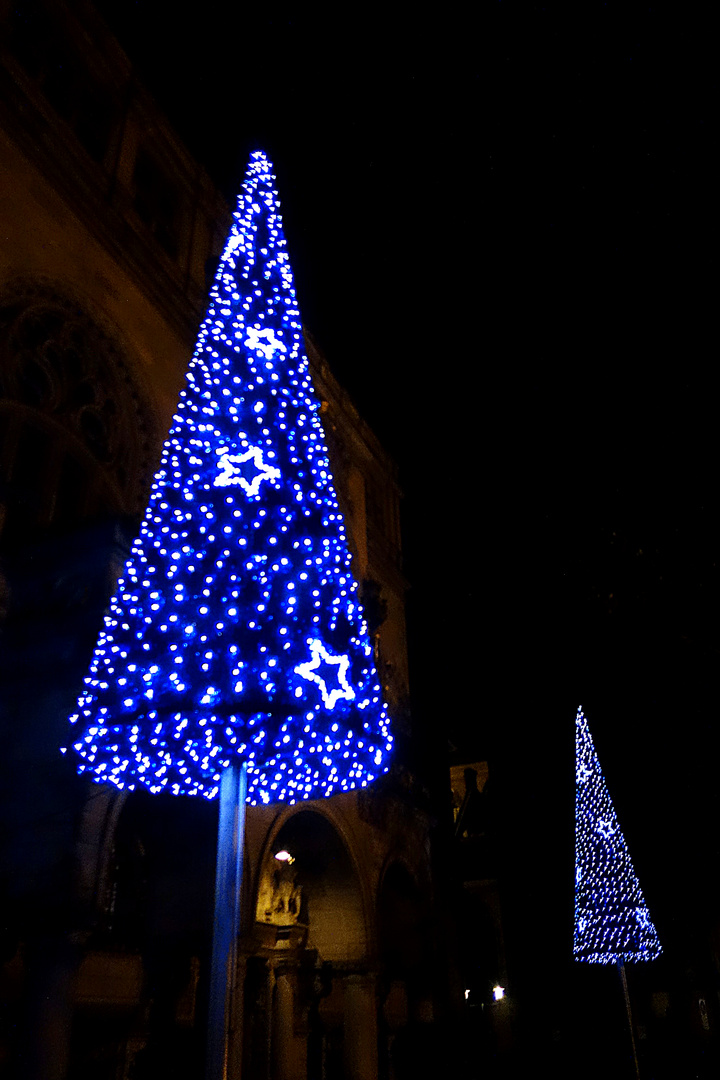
(236, 629)
(612, 922)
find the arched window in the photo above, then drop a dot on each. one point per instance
(77, 439)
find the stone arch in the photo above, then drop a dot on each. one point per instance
(96, 842)
(149, 950)
(78, 437)
(309, 986)
(323, 886)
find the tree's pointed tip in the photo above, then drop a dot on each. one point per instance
(259, 155)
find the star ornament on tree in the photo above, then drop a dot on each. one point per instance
(269, 347)
(606, 829)
(329, 672)
(230, 472)
(583, 773)
(643, 917)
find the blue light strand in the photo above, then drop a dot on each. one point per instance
(612, 921)
(236, 630)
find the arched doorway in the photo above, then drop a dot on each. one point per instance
(310, 1006)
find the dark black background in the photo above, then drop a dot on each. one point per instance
(503, 231)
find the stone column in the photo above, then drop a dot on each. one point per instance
(360, 1031)
(237, 1022)
(282, 1029)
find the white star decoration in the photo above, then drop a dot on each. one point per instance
(268, 350)
(606, 829)
(643, 917)
(310, 671)
(230, 474)
(583, 773)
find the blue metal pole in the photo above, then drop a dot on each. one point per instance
(226, 928)
(623, 978)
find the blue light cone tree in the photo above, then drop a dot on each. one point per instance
(236, 633)
(612, 921)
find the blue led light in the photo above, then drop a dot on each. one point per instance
(236, 629)
(612, 922)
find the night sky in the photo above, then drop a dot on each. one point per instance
(503, 237)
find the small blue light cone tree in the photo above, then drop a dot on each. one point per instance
(612, 921)
(235, 648)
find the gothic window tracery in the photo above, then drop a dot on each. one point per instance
(77, 438)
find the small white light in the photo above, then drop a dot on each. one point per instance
(284, 856)
(498, 992)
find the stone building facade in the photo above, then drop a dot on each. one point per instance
(108, 233)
